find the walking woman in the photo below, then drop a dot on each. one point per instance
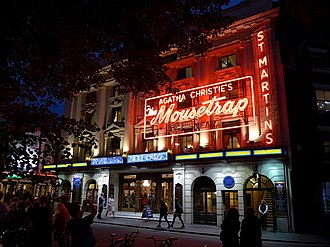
(61, 234)
(111, 206)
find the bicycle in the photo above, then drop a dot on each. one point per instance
(163, 243)
(126, 241)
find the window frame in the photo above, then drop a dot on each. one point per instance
(323, 101)
(184, 73)
(116, 114)
(228, 63)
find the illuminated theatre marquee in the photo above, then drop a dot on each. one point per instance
(200, 109)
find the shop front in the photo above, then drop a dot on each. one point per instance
(140, 189)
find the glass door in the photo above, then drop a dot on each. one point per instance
(129, 196)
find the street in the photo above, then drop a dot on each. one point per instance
(101, 232)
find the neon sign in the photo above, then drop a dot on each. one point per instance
(263, 61)
(200, 109)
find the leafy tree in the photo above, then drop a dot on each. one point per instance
(52, 50)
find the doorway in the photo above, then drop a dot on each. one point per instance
(205, 209)
(256, 188)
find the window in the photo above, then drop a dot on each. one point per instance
(231, 94)
(326, 147)
(115, 145)
(230, 200)
(185, 103)
(89, 107)
(227, 62)
(184, 73)
(319, 57)
(89, 119)
(116, 91)
(88, 151)
(323, 100)
(231, 137)
(147, 144)
(184, 143)
(231, 140)
(116, 114)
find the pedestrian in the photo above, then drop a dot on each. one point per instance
(41, 218)
(229, 229)
(111, 206)
(12, 227)
(3, 211)
(79, 227)
(163, 213)
(263, 210)
(250, 234)
(60, 229)
(101, 205)
(145, 199)
(177, 213)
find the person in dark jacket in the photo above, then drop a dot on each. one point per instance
(163, 213)
(41, 217)
(177, 213)
(230, 228)
(79, 226)
(263, 210)
(250, 230)
(101, 205)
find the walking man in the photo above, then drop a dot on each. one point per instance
(163, 213)
(178, 212)
(101, 205)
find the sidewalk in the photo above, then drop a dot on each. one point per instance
(134, 219)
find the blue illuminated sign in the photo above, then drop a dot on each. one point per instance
(229, 182)
(102, 161)
(148, 157)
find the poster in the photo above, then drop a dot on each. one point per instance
(147, 212)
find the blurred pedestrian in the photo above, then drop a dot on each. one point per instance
(111, 206)
(177, 213)
(230, 228)
(80, 227)
(163, 213)
(145, 199)
(101, 205)
(250, 234)
(42, 223)
(61, 235)
(263, 210)
(3, 211)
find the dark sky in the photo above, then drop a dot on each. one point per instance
(59, 108)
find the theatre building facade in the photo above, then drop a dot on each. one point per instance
(219, 142)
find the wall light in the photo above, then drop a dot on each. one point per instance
(146, 183)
